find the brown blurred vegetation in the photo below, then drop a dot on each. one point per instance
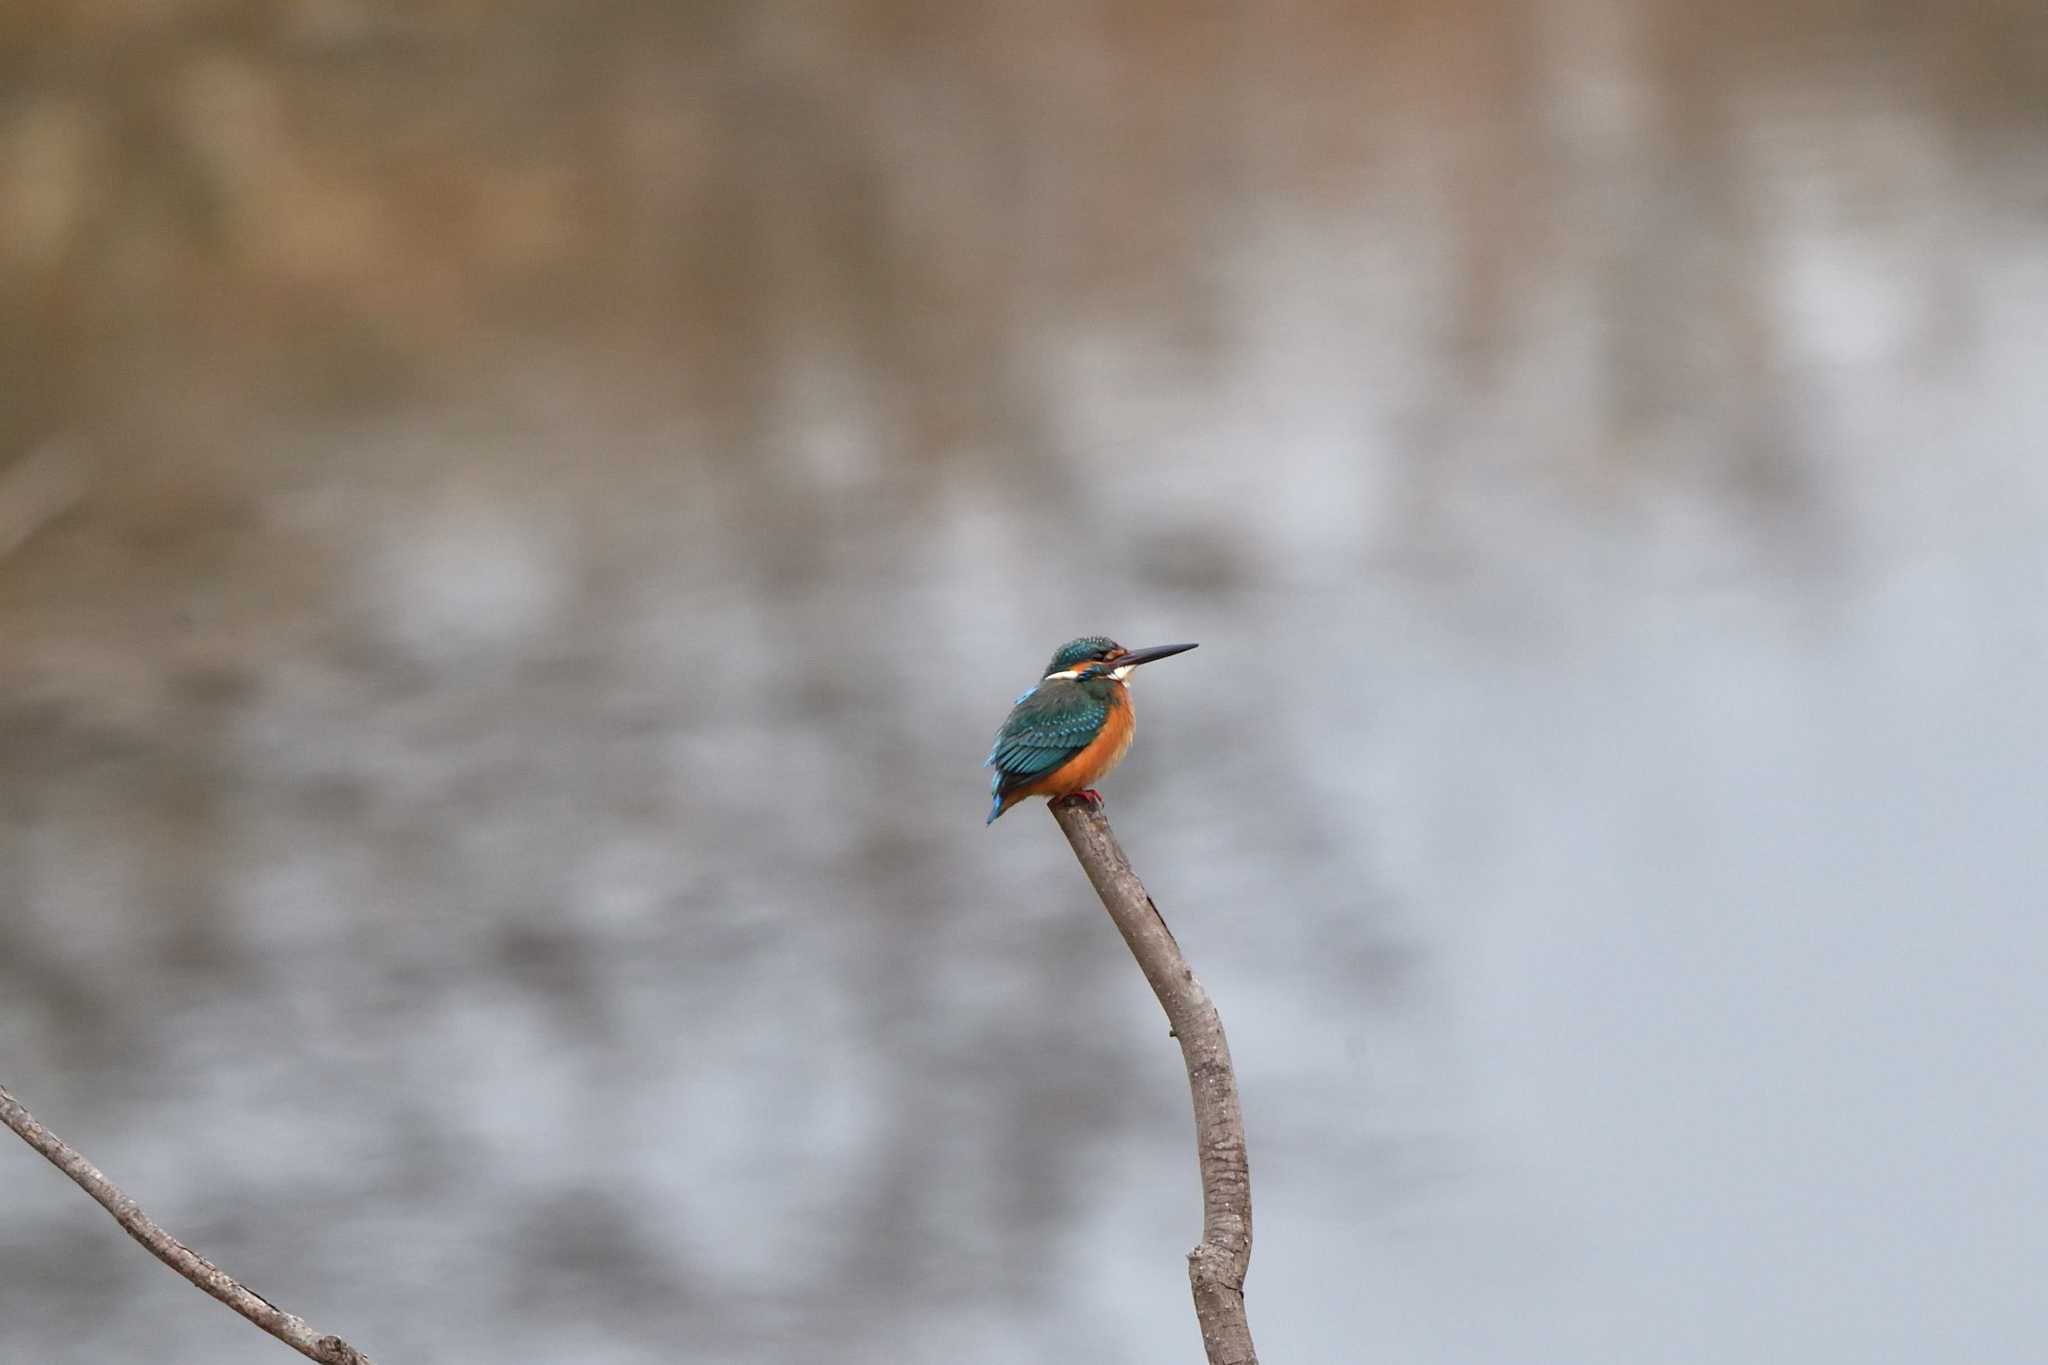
(247, 207)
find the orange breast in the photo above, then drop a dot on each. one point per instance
(1093, 763)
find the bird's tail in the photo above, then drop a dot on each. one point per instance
(995, 808)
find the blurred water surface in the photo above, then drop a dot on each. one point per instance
(519, 521)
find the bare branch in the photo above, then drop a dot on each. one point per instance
(1216, 1268)
(286, 1327)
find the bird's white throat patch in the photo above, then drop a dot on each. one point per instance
(1117, 673)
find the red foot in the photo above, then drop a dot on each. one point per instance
(1086, 797)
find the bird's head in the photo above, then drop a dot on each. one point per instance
(1097, 656)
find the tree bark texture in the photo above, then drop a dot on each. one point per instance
(286, 1327)
(1216, 1267)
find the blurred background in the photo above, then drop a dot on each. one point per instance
(517, 522)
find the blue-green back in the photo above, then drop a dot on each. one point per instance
(1049, 725)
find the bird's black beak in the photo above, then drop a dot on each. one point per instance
(1147, 655)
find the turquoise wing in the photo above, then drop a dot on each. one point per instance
(1050, 725)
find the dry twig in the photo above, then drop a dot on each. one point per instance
(1216, 1268)
(286, 1327)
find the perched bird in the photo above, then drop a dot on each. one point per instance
(1071, 729)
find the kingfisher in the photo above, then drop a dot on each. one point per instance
(1065, 734)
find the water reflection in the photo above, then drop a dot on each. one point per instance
(491, 818)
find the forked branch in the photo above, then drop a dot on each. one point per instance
(1216, 1268)
(286, 1327)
